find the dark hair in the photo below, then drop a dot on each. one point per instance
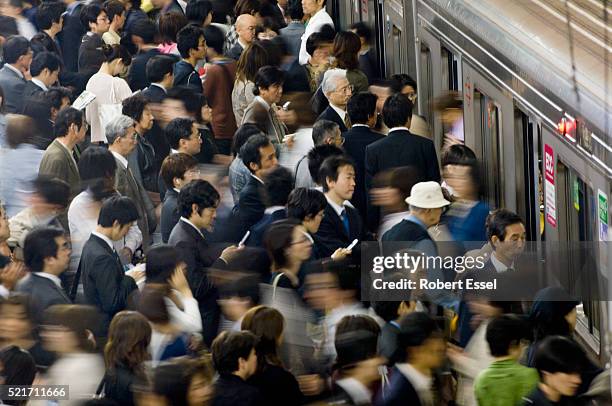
(175, 166)
(65, 118)
(192, 100)
(89, 14)
(547, 315)
(19, 367)
(129, 336)
(362, 30)
(268, 76)
(19, 130)
(52, 190)
(346, 50)
(158, 67)
(277, 239)
(79, 319)
(322, 129)
(170, 25)
(462, 155)
(305, 202)
(246, 7)
(278, 185)
(253, 57)
(504, 331)
(318, 39)
(198, 192)
(397, 110)
(330, 168)
(97, 167)
(498, 221)
(40, 244)
(44, 60)
(249, 152)
(162, 261)
(244, 286)
(188, 38)
(214, 37)
(134, 106)
(361, 107)
(178, 129)
(14, 47)
(316, 156)
(559, 354)
(244, 132)
(117, 208)
(229, 347)
(49, 12)
(173, 378)
(145, 29)
(56, 95)
(198, 10)
(151, 303)
(267, 324)
(400, 81)
(113, 8)
(295, 10)
(112, 52)
(415, 329)
(356, 340)
(39, 109)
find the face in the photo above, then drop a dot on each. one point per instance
(59, 339)
(433, 352)
(344, 186)
(206, 218)
(514, 241)
(250, 366)
(200, 391)
(272, 94)
(59, 263)
(5, 232)
(386, 197)
(193, 144)
(14, 323)
(565, 384)
(200, 53)
(146, 121)
(268, 158)
(310, 7)
(206, 113)
(342, 94)
(102, 24)
(459, 178)
(246, 29)
(321, 288)
(301, 247)
(410, 93)
(128, 142)
(312, 224)
(190, 174)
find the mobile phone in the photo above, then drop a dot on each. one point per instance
(286, 105)
(244, 239)
(350, 247)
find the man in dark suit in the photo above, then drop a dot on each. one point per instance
(49, 16)
(143, 33)
(94, 17)
(17, 56)
(105, 283)
(45, 68)
(400, 147)
(160, 74)
(362, 113)
(341, 222)
(197, 205)
(338, 91)
(71, 34)
(259, 156)
(245, 29)
(410, 382)
(46, 254)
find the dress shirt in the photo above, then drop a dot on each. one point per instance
(40, 84)
(260, 181)
(341, 113)
(273, 209)
(337, 208)
(318, 20)
(360, 125)
(52, 278)
(360, 394)
(160, 86)
(192, 225)
(398, 129)
(121, 159)
(419, 381)
(500, 267)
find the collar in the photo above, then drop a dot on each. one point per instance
(338, 110)
(318, 14)
(40, 84)
(399, 129)
(273, 209)
(173, 151)
(260, 181)
(499, 266)
(14, 69)
(307, 235)
(105, 238)
(242, 44)
(192, 225)
(52, 278)
(177, 190)
(337, 208)
(360, 125)
(121, 159)
(360, 394)
(160, 86)
(262, 101)
(418, 380)
(415, 219)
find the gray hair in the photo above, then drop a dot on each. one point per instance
(322, 130)
(117, 128)
(331, 79)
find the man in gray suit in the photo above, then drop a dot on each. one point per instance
(122, 140)
(17, 56)
(46, 254)
(292, 33)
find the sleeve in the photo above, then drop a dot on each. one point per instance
(189, 319)
(18, 230)
(327, 239)
(112, 285)
(433, 169)
(122, 90)
(54, 167)
(133, 238)
(370, 168)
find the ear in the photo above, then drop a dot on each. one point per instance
(194, 208)
(253, 166)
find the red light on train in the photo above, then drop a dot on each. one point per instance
(566, 126)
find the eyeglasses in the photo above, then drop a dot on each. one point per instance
(346, 90)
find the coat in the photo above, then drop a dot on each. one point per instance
(250, 207)
(292, 34)
(330, 114)
(13, 86)
(31, 89)
(137, 75)
(58, 163)
(44, 293)
(70, 36)
(267, 121)
(332, 235)
(169, 214)
(186, 75)
(154, 94)
(231, 390)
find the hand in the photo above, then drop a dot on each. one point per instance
(230, 253)
(455, 353)
(289, 140)
(340, 254)
(311, 385)
(126, 255)
(178, 281)
(289, 117)
(136, 274)
(11, 274)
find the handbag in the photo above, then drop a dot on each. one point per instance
(108, 111)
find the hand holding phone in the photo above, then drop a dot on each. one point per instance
(244, 239)
(350, 247)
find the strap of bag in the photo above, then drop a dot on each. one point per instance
(100, 390)
(275, 284)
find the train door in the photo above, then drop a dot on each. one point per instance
(395, 37)
(428, 79)
(345, 12)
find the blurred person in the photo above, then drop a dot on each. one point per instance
(319, 46)
(307, 206)
(239, 174)
(184, 382)
(411, 381)
(450, 107)
(93, 16)
(288, 248)
(14, 9)
(18, 368)
(218, 86)
(245, 29)
(116, 15)
(276, 385)
(235, 360)
(169, 25)
(392, 312)
(292, 33)
(200, 12)
(318, 18)
(183, 136)
(400, 147)
(177, 170)
(236, 298)
(45, 68)
(324, 132)
(338, 90)
(68, 332)
(346, 53)
(17, 56)
(70, 36)
(124, 355)
(382, 89)
(38, 107)
(134, 13)
(252, 59)
(160, 72)
(143, 33)
(108, 88)
(404, 84)
(59, 97)
(268, 29)
(367, 56)
(192, 47)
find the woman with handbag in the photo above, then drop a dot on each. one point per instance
(110, 91)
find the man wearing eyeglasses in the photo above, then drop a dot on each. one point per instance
(122, 140)
(245, 28)
(338, 90)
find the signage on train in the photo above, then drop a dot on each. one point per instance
(549, 185)
(602, 199)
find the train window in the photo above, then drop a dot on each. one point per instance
(426, 84)
(398, 50)
(528, 173)
(487, 121)
(450, 70)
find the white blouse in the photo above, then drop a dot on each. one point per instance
(108, 90)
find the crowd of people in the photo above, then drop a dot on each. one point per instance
(184, 190)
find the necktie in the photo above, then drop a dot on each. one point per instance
(345, 222)
(347, 121)
(277, 126)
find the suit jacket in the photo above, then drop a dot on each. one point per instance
(154, 94)
(258, 231)
(330, 114)
(400, 391)
(127, 185)
(332, 235)
(235, 52)
(58, 163)
(186, 75)
(13, 86)
(44, 293)
(250, 208)
(231, 390)
(169, 214)
(267, 121)
(137, 76)
(292, 34)
(199, 255)
(355, 142)
(90, 51)
(104, 283)
(296, 79)
(400, 148)
(31, 89)
(70, 37)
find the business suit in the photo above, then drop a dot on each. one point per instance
(43, 292)
(13, 86)
(265, 119)
(330, 114)
(199, 255)
(355, 142)
(155, 94)
(399, 391)
(250, 208)
(332, 235)
(31, 89)
(137, 76)
(169, 214)
(258, 231)
(127, 185)
(57, 162)
(235, 52)
(70, 36)
(104, 283)
(292, 34)
(401, 148)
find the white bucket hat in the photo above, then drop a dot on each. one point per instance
(427, 195)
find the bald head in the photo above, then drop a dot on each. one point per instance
(245, 28)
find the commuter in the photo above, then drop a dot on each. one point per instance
(245, 29)
(367, 56)
(292, 33)
(404, 84)
(18, 368)
(134, 14)
(308, 207)
(17, 57)
(239, 174)
(93, 16)
(45, 68)
(71, 34)
(324, 132)
(183, 136)
(49, 18)
(288, 248)
(338, 90)
(160, 72)
(252, 59)
(116, 15)
(143, 33)
(316, 157)
(251, 7)
(184, 381)
(392, 312)
(192, 46)
(346, 53)
(318, 18)
(236, 297)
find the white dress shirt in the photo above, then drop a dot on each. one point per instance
(318, 20)
(500, 267)
(341, 113)
(398, 129)
(107, 240)
(186, 220)
(122, 160)
(52, 278)
(40, 84)
(421, 383)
